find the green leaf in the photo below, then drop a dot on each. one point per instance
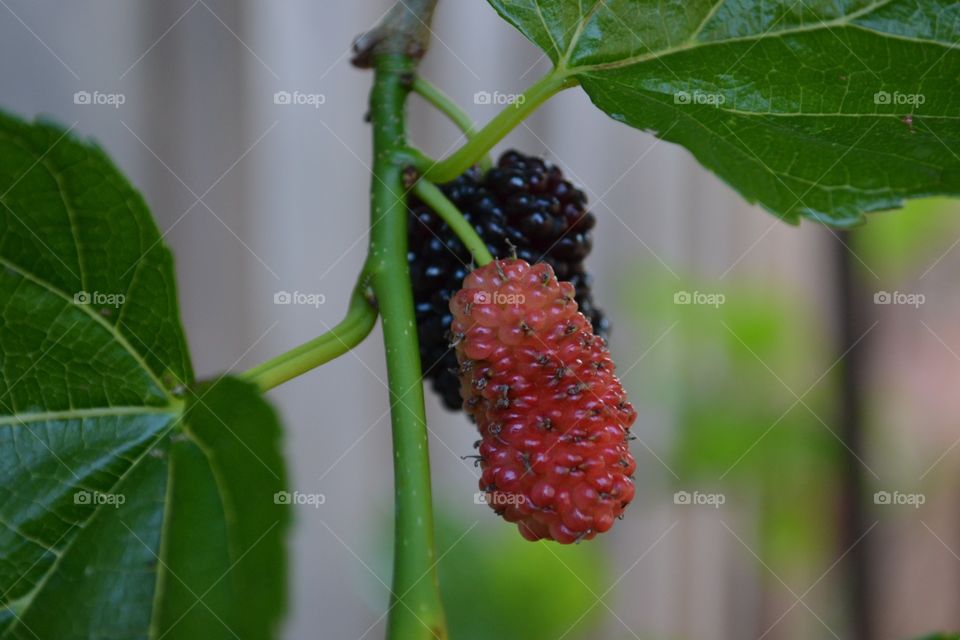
(133, 503)
(223, 481)
(819, 109)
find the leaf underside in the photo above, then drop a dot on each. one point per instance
(133, 503)
(813, 108)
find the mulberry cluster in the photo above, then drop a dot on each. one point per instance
(522, 207)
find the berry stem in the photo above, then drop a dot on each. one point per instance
(416, 611)
(359, 321)
(446, 105)
(448, 212)
(501, 124)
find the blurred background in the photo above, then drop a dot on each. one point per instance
(797, 388)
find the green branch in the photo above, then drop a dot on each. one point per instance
(361, 316)
(416, 612)
(448, 212)
(452, 110)
(494, 131)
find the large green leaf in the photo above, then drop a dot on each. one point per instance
(133, 503)
(825, 109)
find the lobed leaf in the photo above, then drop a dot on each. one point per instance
(811, 108)
(133, 503)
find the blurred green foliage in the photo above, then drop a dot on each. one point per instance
(730, 382)
(896, 244)
(494, 584)
(729, 377)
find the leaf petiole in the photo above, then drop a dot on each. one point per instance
(501, 124)
(351, 331)
(452, 110)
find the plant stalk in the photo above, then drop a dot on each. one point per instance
(501, 124)
(416, 611)
(359, 321)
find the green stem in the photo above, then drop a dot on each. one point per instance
(416, 612)
(452, 110)
(502, 124)
(361, 316)
(448, 212)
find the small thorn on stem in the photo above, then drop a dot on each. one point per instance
(370, 296)
(410, 177)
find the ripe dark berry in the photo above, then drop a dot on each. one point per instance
(522, 205)
(541, 388)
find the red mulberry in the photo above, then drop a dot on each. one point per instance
(541, 388)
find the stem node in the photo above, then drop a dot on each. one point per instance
(403, 32)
